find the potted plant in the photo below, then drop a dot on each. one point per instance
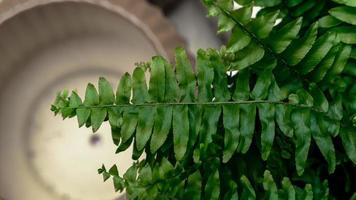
(271, 115)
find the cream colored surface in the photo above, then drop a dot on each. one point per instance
(43, 50)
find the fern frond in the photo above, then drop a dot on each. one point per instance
(146, 115)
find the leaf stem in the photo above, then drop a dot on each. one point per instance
(197, 104)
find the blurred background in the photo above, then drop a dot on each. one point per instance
(49, 45)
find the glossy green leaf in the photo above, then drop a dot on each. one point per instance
(123, 92)
(266, 113)
(328, 21)
(348, 138)
(248, 192)
(345, 14)
(157, 79)
(300, 47)
(129, 123)
(91, 96)
(346, 2)
(243, 14)
(97, 117)
(145, 123)
(340, 62)
(262, 25)
(302, 134)
(321, 70)
(288, 191)
(269, 186)
(205, 77)
(238, 40)
(324, 142)
(251, 54)
(193, 189)
(139, 86)
(171, 85)
(282, 38)
(180, 130)
(74, 100)
(242, 90)
(283, 119)
(212, 188)
(247, 126)
(347, 34)
(162, 125)
(185, 76)
(106, 94)
(261, 89)
(83, 115)
(209, 124)
(232, 133)
(320, 101)
(317, 52)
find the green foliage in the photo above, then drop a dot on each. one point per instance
(269, 116)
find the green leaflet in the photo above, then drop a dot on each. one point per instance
(123, 92)
(287, 191)
(345, 14)
(317, 52)
(300, 47)
(324, 142)
(162, 125)
(124, 145)
(193, 188)
(292, 3)
(220, 85)
(74, 100)
(238, 40)
(208, 128)
(139, 87)
(185, 76)
(320, 101)
(251, 54)
(302, 134)
(269, 3)
(157, 79)
(346, 2)
(347, 34)
(266, 114)
(242, 90)
(232, 133)
(262, 25)
(248, 192)
(328, 22)
(269, 186)
(247, 126)
(232, 192)
(243, 15)
(348, 138)
(180, 130)
(303, 8)
(145, 123)
(106, 94)
(83, 115)
(283, 119)
(340, 61)
(129, 123)
(261, 89)
(171, 85)
(320, 71)
(205, 77)
(281, 39)
(91, 96)
(98, 116)
(195, 117)
(212, 188)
